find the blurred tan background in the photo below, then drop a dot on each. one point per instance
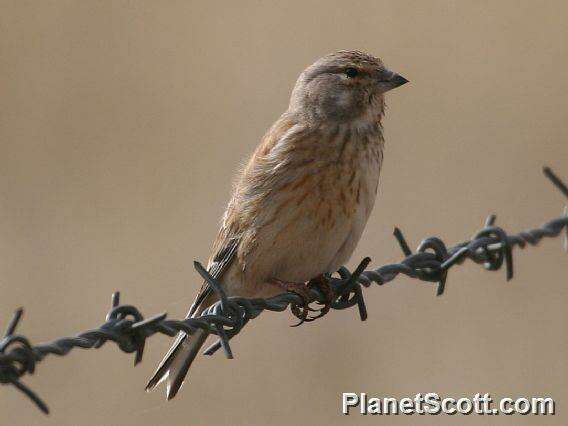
(122, 125)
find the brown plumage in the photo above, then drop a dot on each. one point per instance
(301, 203)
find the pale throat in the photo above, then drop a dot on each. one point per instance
(372, 115)
(368, 125)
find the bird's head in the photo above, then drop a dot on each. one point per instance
(342, 86)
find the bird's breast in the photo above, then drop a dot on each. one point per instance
(316, 216)
(347, 171)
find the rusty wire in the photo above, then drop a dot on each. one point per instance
(126, 326)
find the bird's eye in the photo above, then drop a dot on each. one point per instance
(351, 72)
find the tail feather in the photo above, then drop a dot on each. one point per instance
(162, 371)
(177, 361)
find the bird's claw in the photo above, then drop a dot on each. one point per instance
(301, 311)
(322, 284)
(303, 290)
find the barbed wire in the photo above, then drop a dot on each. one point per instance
(125, 325)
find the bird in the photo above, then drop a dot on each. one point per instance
(301, 203)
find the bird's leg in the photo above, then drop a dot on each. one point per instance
(301, 289)
(322, 284)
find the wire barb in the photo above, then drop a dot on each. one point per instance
(125, 325)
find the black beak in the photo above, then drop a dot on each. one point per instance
(390, 80)
(398, 80)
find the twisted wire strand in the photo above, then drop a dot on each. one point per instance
(126, 326)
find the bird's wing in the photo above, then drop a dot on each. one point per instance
(217, 266)
(237, 218)
(224, 251)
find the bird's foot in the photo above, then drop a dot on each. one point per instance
(302, 290)
(323, 285)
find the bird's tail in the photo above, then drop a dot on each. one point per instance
(177, 361)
